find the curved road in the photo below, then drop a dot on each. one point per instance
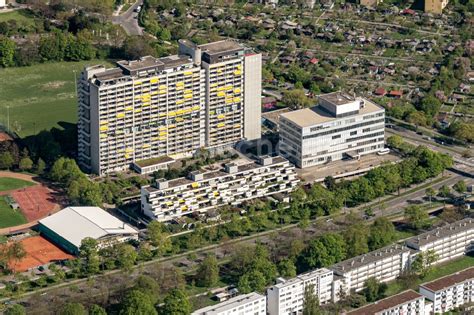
(128, 20)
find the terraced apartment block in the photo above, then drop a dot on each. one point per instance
(201, 191)
(171, 106)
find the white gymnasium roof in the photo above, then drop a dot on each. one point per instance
(76, 223)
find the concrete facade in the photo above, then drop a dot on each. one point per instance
(435, 6)
(339, 126)
(248, 304)
(202, 191)
(169, 106)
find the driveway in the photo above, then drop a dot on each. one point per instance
(128, 20)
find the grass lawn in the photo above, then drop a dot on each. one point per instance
(40, 96)
(439, 271)
(8, 216)
(21, 16)
(7, 183)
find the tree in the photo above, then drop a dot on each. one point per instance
(381, 233)
(208, 272)
(296, 99)
(6, 160)
(324, 251)
(374, 290)
(126, 256)
(15, 309)
(424, 261)
(158, 237)
(310, 301)
(445, 191)
(460, 186)
(430, 105)
(149, 286)
(97, 310)
(88, 251)
(137, 303)
(7, 51)
(251, 281)
(73, 309)
(417, 118)
(356, 239)
(15, 252)
(135, 47)
(177, 303)
(430, 192)
(395, 141)
(26, 164)
(286, 268)
(417, 217)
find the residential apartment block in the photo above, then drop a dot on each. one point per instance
(206, 96)
(406, 303)
(384, 264)
(339, 126)
(287, 296)
(450, 292)
(435, 6)
(248, 304)
(204, 190)
(448, 242)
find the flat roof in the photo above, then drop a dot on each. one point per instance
(154, 161)
(387, 303)
(303, 277)
(337, 98)
(76, 223)
(441, 232)
(175, 60)
(449, 281)
(229, 304)
(307, 117)
(365, 259)
(142, 63)
(220, 47)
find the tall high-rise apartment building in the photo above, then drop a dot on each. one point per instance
(206, 96)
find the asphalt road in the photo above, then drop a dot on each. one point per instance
(128, 20)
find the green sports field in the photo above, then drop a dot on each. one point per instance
(8, 216)
(40, 96)
(7, 183)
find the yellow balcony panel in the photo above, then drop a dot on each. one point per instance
(162, 92)
(195, 185)
(188, 73)
(155, 139)
(120, 150)
(222, 88)
(181, 200)
(237, 72)
(146, 146)
(103, 135)
(237, 90)
(137, 82)
(128, 150)
(120, 115)
(212, 112)
(128, 108)
(213, 84)
(179, 88)
(236, 99)
(104, 128)
(171, 126)
(216, 193)
(239, 67)
(197, 107)
(179, 83)
(104, 122)
(188, 91)
(221, 116)
(184, 208)
(179, 119)
(163, 133)
(178, 102)
(229, 87)
(162, 114)
(162, 138)
(220, 94)
(127, 156)
(154, 93)
(162, 128)
(172, 114)
(138, 111)
(229, 101)
(146, 104)
(237, 126)
(169, 203)
(188, 96)
(154, 80)
(220, 125)
(162, 87)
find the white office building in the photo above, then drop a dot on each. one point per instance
(339, 126)
(406, 303)
(448, 242)
(248, 304)
(204, 190)
(384, 264)
(287, 296)
(450, 292)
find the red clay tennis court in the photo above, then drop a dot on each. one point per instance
(39, 251)
(35, 202)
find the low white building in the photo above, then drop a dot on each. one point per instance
(248, 304)
(448, 242)
(339, 126)
(287, 296)
(202, 191)
(68, 227)
(384, 264)
(406, 303)
(450, 292)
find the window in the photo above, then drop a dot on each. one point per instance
(353, 133)
(336, 137)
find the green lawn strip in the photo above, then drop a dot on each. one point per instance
(40, 96)
(21, 16)
(8, 216)
(7, 183)
(439, 271)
